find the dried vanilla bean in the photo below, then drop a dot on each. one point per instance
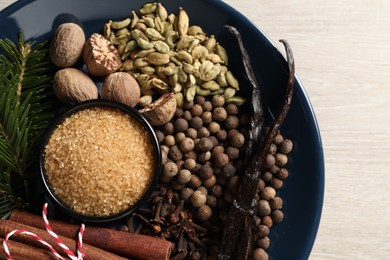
(257, 118)
(242, 209)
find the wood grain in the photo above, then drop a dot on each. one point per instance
(342, 52)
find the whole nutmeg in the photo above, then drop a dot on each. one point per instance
(161, 111)
(121, 87)
(72, 86)
(100, 56)
(67, 45)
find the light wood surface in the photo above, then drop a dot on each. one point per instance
(342, 52)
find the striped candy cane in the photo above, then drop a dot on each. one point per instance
(71, 255)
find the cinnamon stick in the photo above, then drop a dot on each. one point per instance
(91, 252)
(23, 251)
(118, 242)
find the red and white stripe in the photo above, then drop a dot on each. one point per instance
(71, 255)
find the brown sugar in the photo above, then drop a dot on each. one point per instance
(99, 161)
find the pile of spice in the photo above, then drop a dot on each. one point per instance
(99, 161)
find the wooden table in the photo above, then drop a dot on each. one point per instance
(342, 52)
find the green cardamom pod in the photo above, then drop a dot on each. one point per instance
(202, 91)
(162, 12)
(148, 8)
(236, 100)
(195, 30)
(183, 22)
(221, 52)
(120, 24)
(153, 34)
(185, 56)
(232, 80)
(229, 93)
(210, 43)
(145, 100)
(158, 59)
(211, 85)
(161, 46)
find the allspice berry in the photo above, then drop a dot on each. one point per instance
(268, 193)
(181, 125)
(203, 213)
(219, 114)
(198, 199)
(263, 208)
(205, 144)
(187, 144)
(286, 146)
(259, 254)
(221, 160)
(218, 101)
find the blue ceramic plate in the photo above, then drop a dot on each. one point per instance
(303, 190)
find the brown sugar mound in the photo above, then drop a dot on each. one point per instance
(99, 161)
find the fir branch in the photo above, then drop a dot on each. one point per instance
(25, 112)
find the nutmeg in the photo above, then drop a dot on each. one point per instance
(122, 87)
(100, 56)
(161, 111)
(67, 45)
(72, 86)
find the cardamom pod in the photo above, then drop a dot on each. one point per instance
(214, 58)
(173, 80)
(177, 88)
(142, 79)
(199, 52)
(143, 53)
(183, 22)
(137, 34)
(162, 12)
(140, 26)
(161, 46)
(236, 100)
(210, 43)
(149, 70)
(221, 52)
(148, 8)
(107, 30)
(145, 100)
(192, 45)
(144, 44)
(190, 93)
(211, 85)
(123, 31)
(153, 34)
(179, 99)
(229, 93)
(194, 30)
(184, 42)
(120, 24)
(131, 45)
(127, 65)
(182, 76)
(170, 38)
(185, 56)
(202, 91)
(140, 62)
(188, 68)
(169, 71)
(217, 92)
(157, 58)
(159, 26)
(221, 79)
(232, 80)
(158, 84)
(135, 19)
(149, 22)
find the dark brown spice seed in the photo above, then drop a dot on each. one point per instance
(221, 160)
(221, 135)
(186, 115)
(181, 125)
(160, 136)
(286, 146)
(210, 182)
(205, 172)
(217, 101)
(168, 129)
(278, 139)
(281, 159)
(231, 122)
(267, 220)
(277, 216)
(207, 106)
(259, 254)
(232, 152)
(232, 109)
(263, 208)
(207, 117)
(203, 213)
(200, 99)
(214, 127)
(196, 110)
(219, 114)
(263, 242)
(263, 230)
(277, 183)
(196, 122)
(188, 104)
(282, 173)
(266, 176)
(203, 132)
(276, 203)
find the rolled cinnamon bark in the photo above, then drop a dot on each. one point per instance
(118, 242)
(91, 252)
(23, 251)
